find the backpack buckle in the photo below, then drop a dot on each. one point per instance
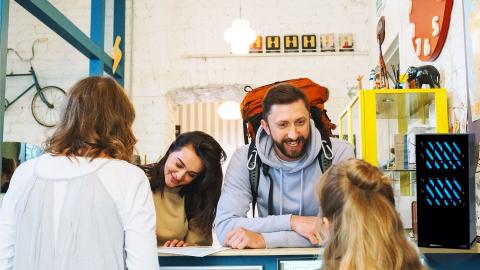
(252, 163)
(326, 147)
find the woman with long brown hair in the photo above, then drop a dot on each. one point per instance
(364, 229)
(82, 205)
(186, 183)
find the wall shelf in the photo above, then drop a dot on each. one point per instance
(281, 54)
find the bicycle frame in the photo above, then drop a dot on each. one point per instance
(35, 84)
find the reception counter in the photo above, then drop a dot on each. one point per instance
(444, 258)
(304, 258)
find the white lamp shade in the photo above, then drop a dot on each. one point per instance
(229, 110)
(240, 36)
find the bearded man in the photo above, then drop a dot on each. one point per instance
(289, 144)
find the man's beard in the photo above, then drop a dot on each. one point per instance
(292, 154)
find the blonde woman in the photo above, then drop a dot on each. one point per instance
(82, 205)
(364, 229)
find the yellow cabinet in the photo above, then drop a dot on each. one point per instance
(374, 117)
(381, 125)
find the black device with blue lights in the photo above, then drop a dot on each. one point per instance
(445, 190)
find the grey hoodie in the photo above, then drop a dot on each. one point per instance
(293, 191)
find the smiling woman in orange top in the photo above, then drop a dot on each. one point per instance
(186, 185)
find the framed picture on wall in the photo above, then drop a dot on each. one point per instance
(327, 42)
(345, 42)
(257, 45)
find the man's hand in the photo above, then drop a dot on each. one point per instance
(308, 227)
(175, 243)
(242, 238)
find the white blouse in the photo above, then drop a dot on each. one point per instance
(126, 184)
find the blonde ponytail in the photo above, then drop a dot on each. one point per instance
(366, 232)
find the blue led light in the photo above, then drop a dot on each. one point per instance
(456, 148)
(453, 165)
(448, 194)
(444, 152)
(448, 147)
(457, 185)
(442, 155)
(439, 183)
(431, 193)
(448, 183)
(439, 146)
(456, 195)
(429, 155)
(438, 192)
(438, 156)
(428, 164)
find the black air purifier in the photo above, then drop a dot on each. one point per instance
(445, 190)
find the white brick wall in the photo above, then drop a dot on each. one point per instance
(167, 31)
(159, 36)
(56, 63)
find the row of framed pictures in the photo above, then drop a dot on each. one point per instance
(303, 43)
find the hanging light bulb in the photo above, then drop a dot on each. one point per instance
(240, 36)
(229, 110)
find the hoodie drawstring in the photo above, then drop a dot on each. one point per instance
(281, 192)
(301, 193)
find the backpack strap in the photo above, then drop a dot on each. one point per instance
(254, 163)
(265, 169)
(245, 133)
(253, 166)
(325, 155)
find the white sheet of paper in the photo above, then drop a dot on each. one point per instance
(191, 251)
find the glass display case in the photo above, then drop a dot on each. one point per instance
(382, 124)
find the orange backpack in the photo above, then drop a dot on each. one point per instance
(251, 106)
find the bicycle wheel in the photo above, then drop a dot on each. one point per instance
(43, 114)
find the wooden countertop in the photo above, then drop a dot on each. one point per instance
(475, 249)
(319, 251)
(270, 252)
(262, 252)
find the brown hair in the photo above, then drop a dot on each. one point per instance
(97, 121)
(366, 230)
(202, 195)
(282, 94)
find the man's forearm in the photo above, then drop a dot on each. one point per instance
(285, 239)
(258, 225)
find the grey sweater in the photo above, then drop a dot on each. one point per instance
(294, 191)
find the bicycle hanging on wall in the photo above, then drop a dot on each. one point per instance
(47, 101)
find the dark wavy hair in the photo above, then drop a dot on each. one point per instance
(97, 120)
(202, 194)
